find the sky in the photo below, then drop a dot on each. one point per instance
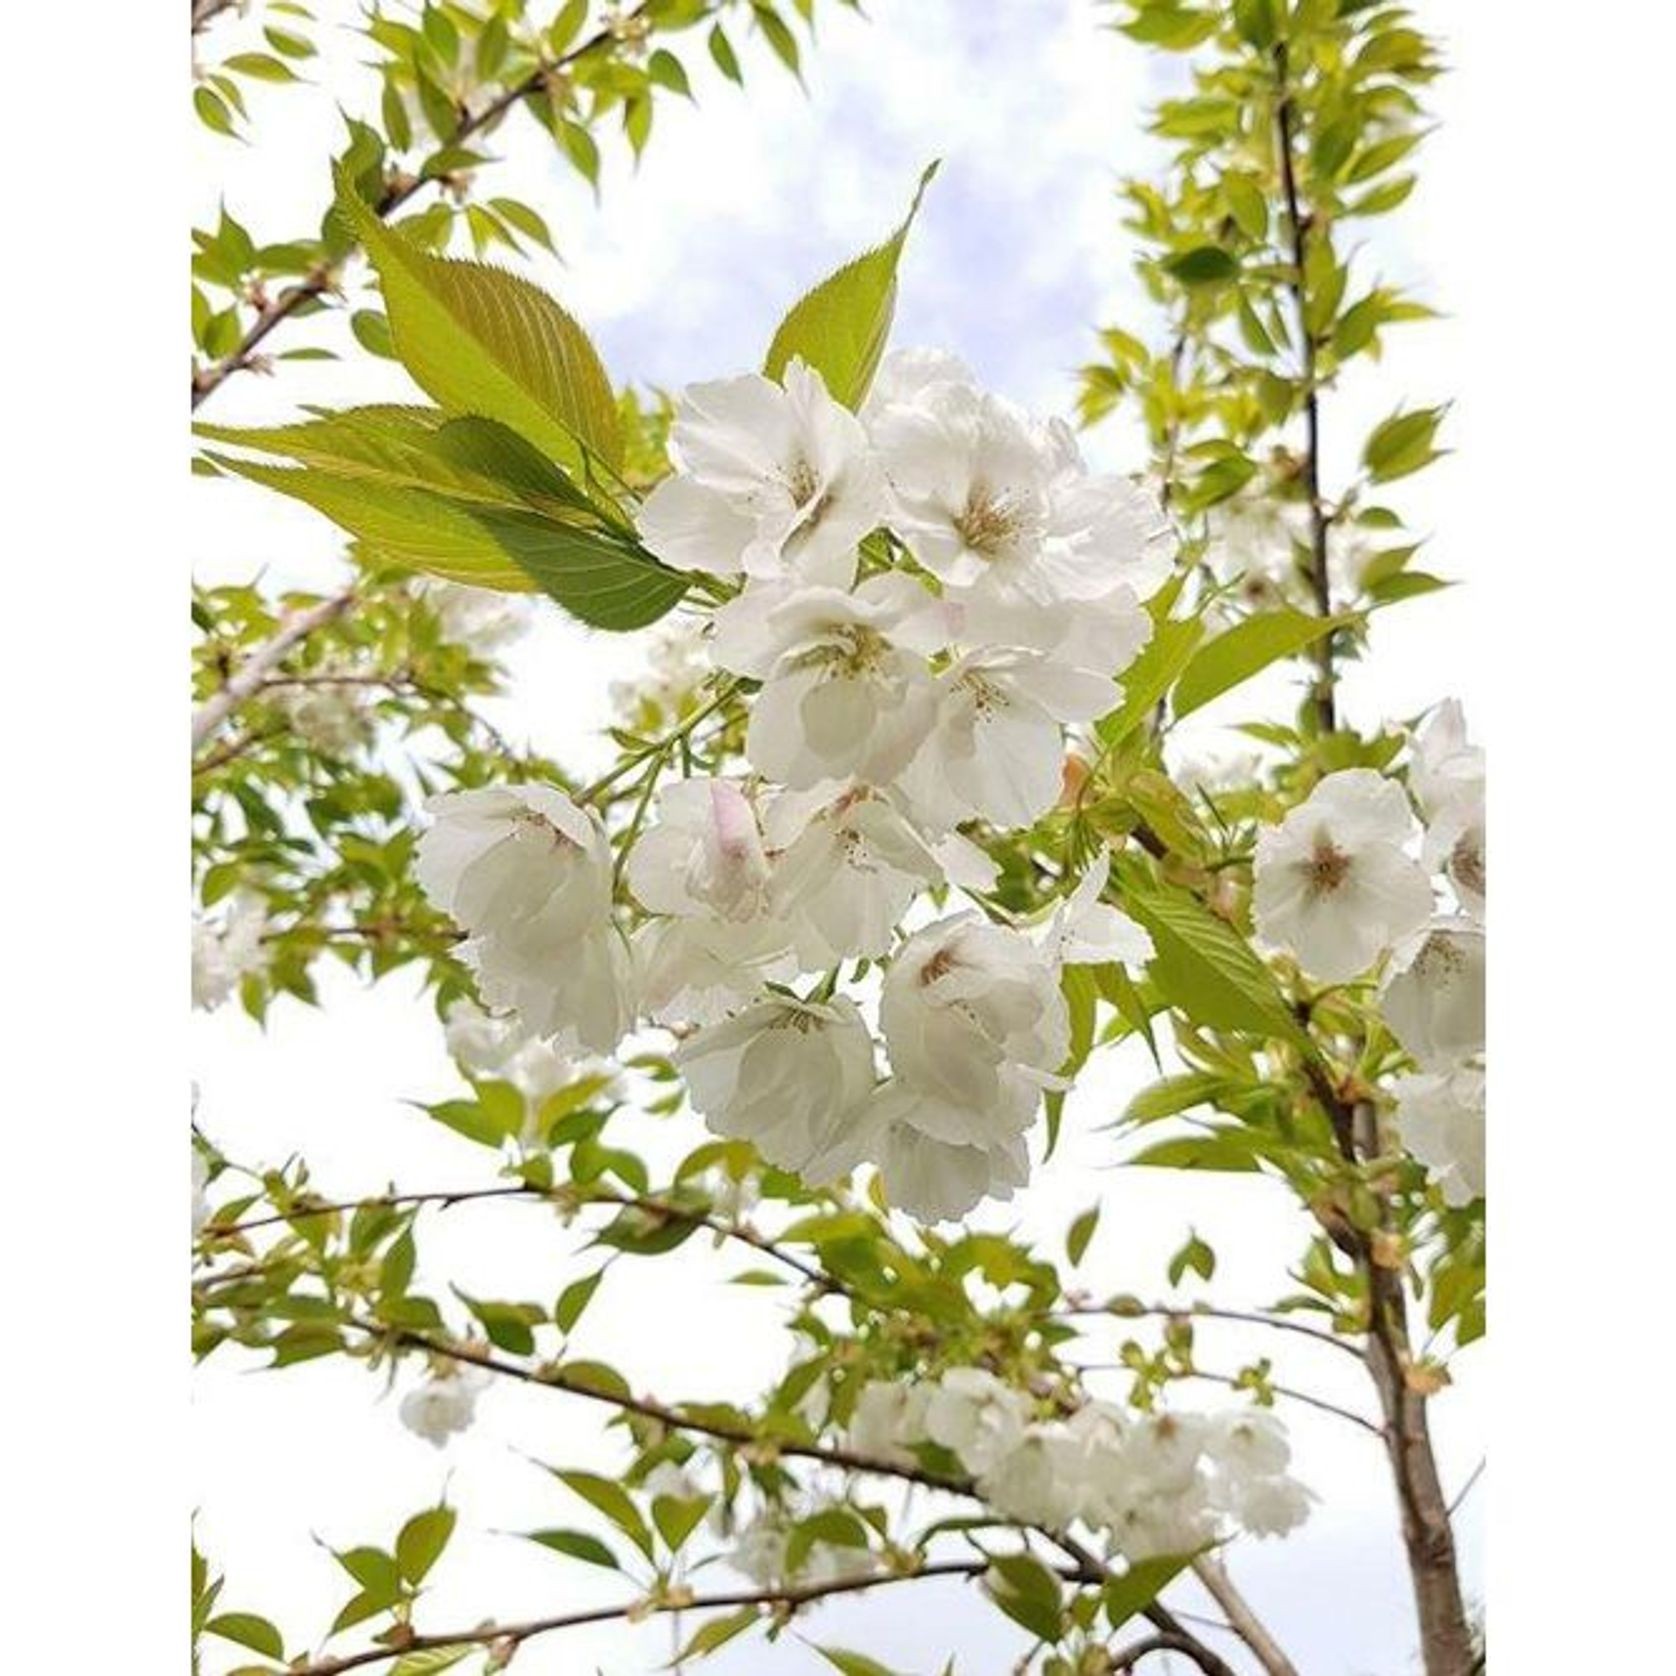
(681, 271)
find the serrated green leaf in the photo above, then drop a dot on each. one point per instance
(1204, 967)
(480, 340)
(840, 328)
(717, 1633)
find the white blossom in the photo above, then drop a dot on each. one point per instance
(1455, 847)
(692, 971)
(1444, 765)
(226, 948)
(443, 1405)
(769, 480)
(888, 1418)
(996, 746)
(976, 1416)
(1248, 1442)
(850, 866)
(973, 1016)
(936, 1160)
(846, 689)
(789, 1076)
(329, 716)
(1434, 997)
(704, 856)
(676, 665)
(1087, 931)
(675, 1482)
(1334, 882)
(1270, 1506)
(529, 876)
(1440, 1118)
(1002, 509)
(761, 1552)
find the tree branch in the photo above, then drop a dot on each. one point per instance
(293, 627)
(205, 11)
(511, 1636)
(1326, 706)
(1241, 1619)
(206, 380)
(1191, 1311)
(646, 1203)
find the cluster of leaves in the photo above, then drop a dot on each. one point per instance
(449, 78)
(322, 829)
(291, 1275)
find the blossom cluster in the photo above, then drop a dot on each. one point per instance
(226, 948)
(1339, 886)
(925, 595)
(1154, 1484)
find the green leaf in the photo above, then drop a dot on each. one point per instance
(717, 1633)
(1148, 678)
(1227, 1151)
(1204, 265)
(1028, 1593)
(1245, 650)
(854, 1664)
(835, 1525)
(726, 59)
(1204, 967)
(250, 1631)
(212, 111)
(574, 1299)
(1141, 1585)
(605, 579)
(614, 1502)
(480, 340)
(840, 328)
(1081, 1232)
(1402, 444)
(579, 1545)
(422, 1540)
(1195, 1255)
(429, 1660)
(677, 1517)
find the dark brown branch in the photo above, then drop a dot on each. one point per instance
(1326, 704)
(1165, 1641)
(645, 1203)
(320, 279)
(513, 1635)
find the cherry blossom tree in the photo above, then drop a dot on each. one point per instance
(898, 837)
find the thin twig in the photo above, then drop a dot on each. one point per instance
(1241, 1619)
(1191, 1311)
(206, 380)
(1326, 704)
(513, 1635)
(293, 627)
(647, 1204)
